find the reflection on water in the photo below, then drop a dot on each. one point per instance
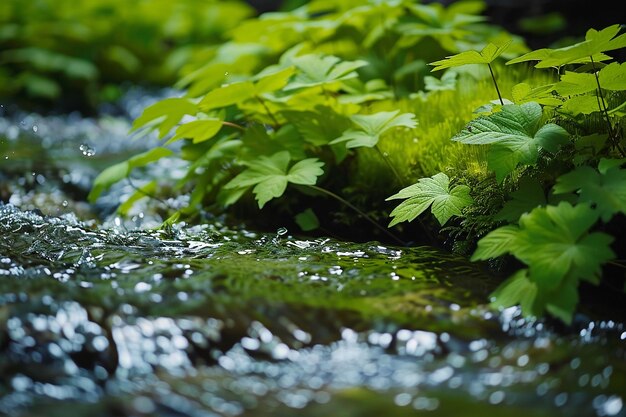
(225, 322)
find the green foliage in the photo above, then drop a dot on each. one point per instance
(559, 249)
(270, 176)
(605, 187)
(369, 128)
(341, 85)
(118, 172)
(591, 49)
(486, 56)
(516, 136)
(73, 52)
(435, 192)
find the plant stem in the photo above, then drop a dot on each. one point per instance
(235, 125)
(268, 111)
(359, 211)
(389, 164)
(493, 77)
(604, 110)
(147, 194)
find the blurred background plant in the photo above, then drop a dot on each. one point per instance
(60, 55)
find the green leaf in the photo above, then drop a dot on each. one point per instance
(606, 190)
(517, 289)
(198, 130)
(523, 93)
(555, 58)
(118, 172)
(166, 113)
(318, 127)
(573, 83)
(227, 95)
(488, 54)
(370, 127)
(517, 135)
(266, 83)
(529, 195)
(613, 77)
(307, 220)
(595, 43)
(270, 177)
(447, 82)
(585, 104)
(563, 302)
(315, 70)
(555, 241)
(305, 172)
(433, 191)
(496, 243)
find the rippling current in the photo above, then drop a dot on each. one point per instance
(103, 318)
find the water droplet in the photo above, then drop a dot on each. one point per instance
(87, 150)
(226, 74)
(35, 129)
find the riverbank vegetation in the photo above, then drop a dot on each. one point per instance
(398, 121)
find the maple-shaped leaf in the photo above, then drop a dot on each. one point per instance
(518, 289)
(529, 195)
(434, 191)
(315, 70)
(516, 134)
(496, 243)
(166, 114)
(582, 104)
(369, 128)
(549, 58)
(447, 82)
(593, 47)
(605, 188)
(523, 93)
(612, 77)
(198, 130)
(486, 56)
(555, 241)
(270, 176)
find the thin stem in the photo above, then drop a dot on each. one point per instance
(604, 110)
(617, 263)
(493, 77)
(235, 125)
(359, 211)
(147, 194)
(268, 111)
(389, 164)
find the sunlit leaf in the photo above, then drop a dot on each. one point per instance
(516, 134)
(314, 70)
(606, 190)
(198, 130)
(169, 112)
(496, 243)
(435, 192)
(487, 55)
(556, 240)
(369, 128)
(269, 175)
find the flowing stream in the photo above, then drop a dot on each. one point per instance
(105, 317)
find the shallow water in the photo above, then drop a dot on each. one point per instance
(112, 318)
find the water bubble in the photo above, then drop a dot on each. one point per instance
(87, 150)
